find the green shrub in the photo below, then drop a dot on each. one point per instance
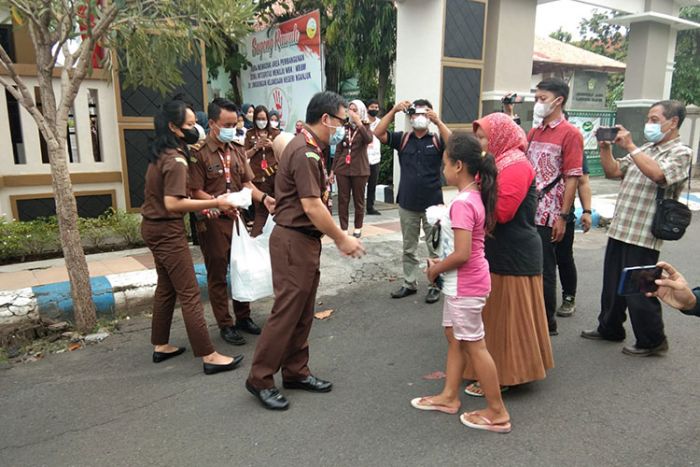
(125, 225)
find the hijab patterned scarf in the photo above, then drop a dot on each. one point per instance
(507, 141)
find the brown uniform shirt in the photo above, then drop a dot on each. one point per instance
(355, 144)
(166, 177)
(300, 175)
(207, 172)
(261, 170)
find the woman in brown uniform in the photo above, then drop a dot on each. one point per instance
(258, 149)
(351, 167)
(165, 202)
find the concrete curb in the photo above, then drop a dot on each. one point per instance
(113, 294)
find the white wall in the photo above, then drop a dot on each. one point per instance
(107, 124)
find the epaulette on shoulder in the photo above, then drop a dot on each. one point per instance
(197, 146)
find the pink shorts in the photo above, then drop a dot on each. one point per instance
(463, 315)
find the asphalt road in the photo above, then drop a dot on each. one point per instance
(109, 405)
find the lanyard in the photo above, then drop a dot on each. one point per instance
(348, 157)
(227, 167)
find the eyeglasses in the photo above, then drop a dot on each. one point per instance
(344, 120)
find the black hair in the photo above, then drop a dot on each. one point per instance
(672, 108)
(273, 113)
(556, 86)
(175, 112)
(422, 103)
(372, 101)
(257, 110)
(214, 109)
(325, 102)
(464, 147)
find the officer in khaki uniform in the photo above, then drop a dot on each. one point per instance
(302, 218)
(221, 167)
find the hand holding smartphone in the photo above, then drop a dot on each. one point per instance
(639, 280)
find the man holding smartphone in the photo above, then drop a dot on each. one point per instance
(663, 162)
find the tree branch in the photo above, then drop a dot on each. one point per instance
(71, 84)
(22, 94)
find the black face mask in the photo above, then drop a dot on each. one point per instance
(373, 112)
(190, 135)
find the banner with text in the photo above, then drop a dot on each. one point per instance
(285, 69)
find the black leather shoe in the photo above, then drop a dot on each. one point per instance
(403, 292)
(639, 352)
(163, 356)
(310, 383)
(373, 212)
(433, 295)
(230, 335)
(213, 368)
(270, 398)
(247, 325)
(593, 334)
(553, 332)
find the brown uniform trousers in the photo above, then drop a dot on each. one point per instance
(215, 242)
(284, 343)
(167, 240)
(261, 212)
(347, 184)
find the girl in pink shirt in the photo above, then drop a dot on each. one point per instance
(467, 282)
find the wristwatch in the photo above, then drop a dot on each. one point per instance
(587, 211)
(262, 200)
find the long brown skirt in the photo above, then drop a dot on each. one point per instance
(515, 322)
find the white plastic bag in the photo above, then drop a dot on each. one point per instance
(251, 272)
(241, 199)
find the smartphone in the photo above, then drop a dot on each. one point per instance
(639, 280)
(606, 133)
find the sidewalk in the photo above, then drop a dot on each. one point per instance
(125, 280)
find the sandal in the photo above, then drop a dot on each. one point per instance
(429, 406)
(474, 389)
(488, 425)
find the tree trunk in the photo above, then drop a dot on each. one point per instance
(382, 86)
(74, 256)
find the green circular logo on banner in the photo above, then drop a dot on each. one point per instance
(587, 126)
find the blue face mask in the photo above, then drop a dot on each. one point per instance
(337, 136)
(226, 135)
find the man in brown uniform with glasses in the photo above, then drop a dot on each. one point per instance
(302, 218)
(221, 167)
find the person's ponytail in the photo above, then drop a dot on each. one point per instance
(488, 189)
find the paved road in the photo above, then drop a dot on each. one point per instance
(108, 405)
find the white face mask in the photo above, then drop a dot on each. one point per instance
(262, 124)
(274, 123)
(420, 122)
(542, 110)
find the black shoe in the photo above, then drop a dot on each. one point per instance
(553, 332)
(247, 325)
(639, 352)
(310, 383)
(230, 335)
(403, 292)
(593, 334)
(163, 356)
(213, 368)
(433, 295)
(270, 398)
(373, 212)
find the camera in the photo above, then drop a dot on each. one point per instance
(411, 110)
(511, 99)
(606, 133)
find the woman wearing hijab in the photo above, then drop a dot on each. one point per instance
(351, 166)
(514, 317)
(248, 112)
(258, 150)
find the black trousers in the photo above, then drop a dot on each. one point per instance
(565, 261)
(372, 185)
(549, 274)
(645, 313)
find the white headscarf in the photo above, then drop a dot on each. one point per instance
(361, 109)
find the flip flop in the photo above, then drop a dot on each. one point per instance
(439, 408)
(476, 385)
(488, 425)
